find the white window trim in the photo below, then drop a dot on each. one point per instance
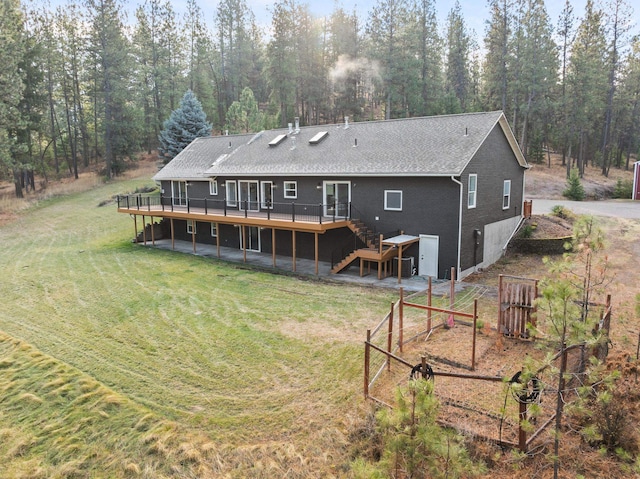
(214, 230)
(386, 202)
(192, 227)
(229, 185)
(295, 189)
(213, 187)
(472, 194)
(506, 195)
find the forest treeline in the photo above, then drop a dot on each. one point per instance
(81, 85)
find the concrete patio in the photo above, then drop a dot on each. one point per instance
(304, 267)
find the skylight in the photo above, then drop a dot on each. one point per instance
(277, 140)
(319, 137)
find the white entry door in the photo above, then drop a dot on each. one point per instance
(428, 261)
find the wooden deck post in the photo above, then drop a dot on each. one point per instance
(193, 235)
(293, 249)
(399, 264)
(153, 233)
(366, 364)
(173, 236)
(135, 226)
(380, 253)
(401, 318)
(244, 243)
(316, 250)
(218, 239)
(144, 230)
(273, 246)
(390, 338)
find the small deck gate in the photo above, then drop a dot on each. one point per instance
(516, 300)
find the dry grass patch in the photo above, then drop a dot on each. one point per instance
(45, 435)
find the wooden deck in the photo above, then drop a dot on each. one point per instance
(300, 221)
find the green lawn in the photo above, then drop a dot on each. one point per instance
(263, 369)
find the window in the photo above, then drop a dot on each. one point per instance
(214, 230)
(393, 200)
(266, 195)
(473, 191)
(213, 187)
(232, 193)
(290, 189)
(191, 227)
(179, 193)
(506, 194)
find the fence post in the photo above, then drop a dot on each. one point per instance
(401, 318)
(429, 304)
(452, 288)
(499, 328)
(390, 337)
(475, 322)
(522, 433)
(366, 364)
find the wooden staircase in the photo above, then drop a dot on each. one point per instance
(373, 252)
(363, 232)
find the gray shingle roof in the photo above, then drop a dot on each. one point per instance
(426, 146)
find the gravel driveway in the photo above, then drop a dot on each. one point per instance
(616, 208)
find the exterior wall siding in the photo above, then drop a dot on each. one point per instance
(427, 208)
(489, 210)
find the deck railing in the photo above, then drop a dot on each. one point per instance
(310, 213)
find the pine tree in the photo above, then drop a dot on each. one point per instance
(185, 124)
(587, 83)
(575, 190)
(457, 75)
(243, 115)
(11, 54)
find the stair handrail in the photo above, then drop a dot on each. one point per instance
(348, 247)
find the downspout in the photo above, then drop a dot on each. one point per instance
(459, 227)
(504, 248)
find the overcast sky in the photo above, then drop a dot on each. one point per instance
(475, 12)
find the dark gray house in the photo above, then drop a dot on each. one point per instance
(447, 190)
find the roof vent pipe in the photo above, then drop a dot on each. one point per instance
(355, 142)
(346, 122)
(290, 125)
(466, 131)
(297, 120)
